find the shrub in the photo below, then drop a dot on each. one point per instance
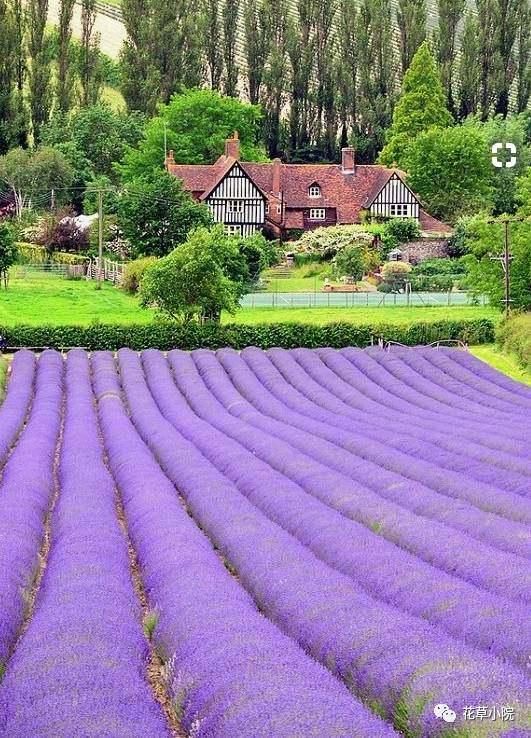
(325, 243)
(394, 275)
(134, 271)
(168, 335)
(514, 336)
(28, 253)
(351, 262)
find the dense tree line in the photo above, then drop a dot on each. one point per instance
(332, 71)
(43, 72)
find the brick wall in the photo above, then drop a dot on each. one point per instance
(425, 248)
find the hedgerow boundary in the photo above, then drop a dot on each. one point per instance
(166, 335)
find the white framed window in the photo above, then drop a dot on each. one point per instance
(267, 208)
(233, 230)
(314, 191)
(235, 206)
(279, 209)
(399, 210)
(317, 213)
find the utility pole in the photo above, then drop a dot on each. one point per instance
(505, 260)
(100, 240)
(53, 200)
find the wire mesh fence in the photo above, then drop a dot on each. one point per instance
(357, 299)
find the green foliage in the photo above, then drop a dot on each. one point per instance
(169, 335)
(512, 129)
(29, 253)
(99, 133)
(134, 271)
(437, 274)
(402, 229)
(155, 214)
(514, 336)
(421, 106)
(523, 193)
(197, 124)
(352, 262)
(206, 275)
(451, 171)
(8, 251)
(259, 254)
(31, 176)
(485, 275)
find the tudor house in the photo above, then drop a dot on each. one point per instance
(284, 199)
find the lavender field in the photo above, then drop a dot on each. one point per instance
(265, 544)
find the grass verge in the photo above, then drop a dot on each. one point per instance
(505, 363)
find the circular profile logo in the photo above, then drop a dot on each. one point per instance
(444, 712)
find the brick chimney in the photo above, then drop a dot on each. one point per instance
(348, 160)
(232, 146)
(170, 160)
(276, 176)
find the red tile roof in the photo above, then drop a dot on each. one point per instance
(347, 193)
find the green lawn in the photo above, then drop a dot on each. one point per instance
(505, 363)
(389, 314)
(3, 376)
(51, 300)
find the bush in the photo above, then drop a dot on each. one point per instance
(394, 275)
(134, 271)
(325, 243)
(514, 336)
(169, 335)
(28, 253)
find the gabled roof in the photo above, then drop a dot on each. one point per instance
(349, 193)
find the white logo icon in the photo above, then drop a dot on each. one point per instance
(443, 711)
(498, 163)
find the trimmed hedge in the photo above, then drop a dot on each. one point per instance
(30, 253)
(166, 336)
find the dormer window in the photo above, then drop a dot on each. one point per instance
(314, 190)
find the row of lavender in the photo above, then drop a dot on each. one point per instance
(335, 534)
(385, 655)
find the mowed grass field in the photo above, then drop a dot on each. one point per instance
(51, 300)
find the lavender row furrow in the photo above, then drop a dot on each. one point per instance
(419, 403)
(80, 668)
(441, 374)
(427, 380)
(515, 401)
(396, 662)
(232, 673)
(513, 475)
(385, 571)
(484, 371)
(17, 400)
(362, 495)
(443, 480)
(371, 381)
(25, 495)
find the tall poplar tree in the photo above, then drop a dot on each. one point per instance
(64, 60)
(376, 77)
(211, 33)
(231, 11)
(258, 34)
(275, 73)
(469, 69)
(301, 51)
(411, 19)
(488, 19)
(450, 15)
(21, 121)
(422, 106)
(40, 92)
(7, 76)
(523, 56)
(326, 77)
(507, 28)
(90, 69)
(348, 21)
(139, 80)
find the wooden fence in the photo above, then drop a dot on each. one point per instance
(112, 271)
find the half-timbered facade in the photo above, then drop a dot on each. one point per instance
(284, 199)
